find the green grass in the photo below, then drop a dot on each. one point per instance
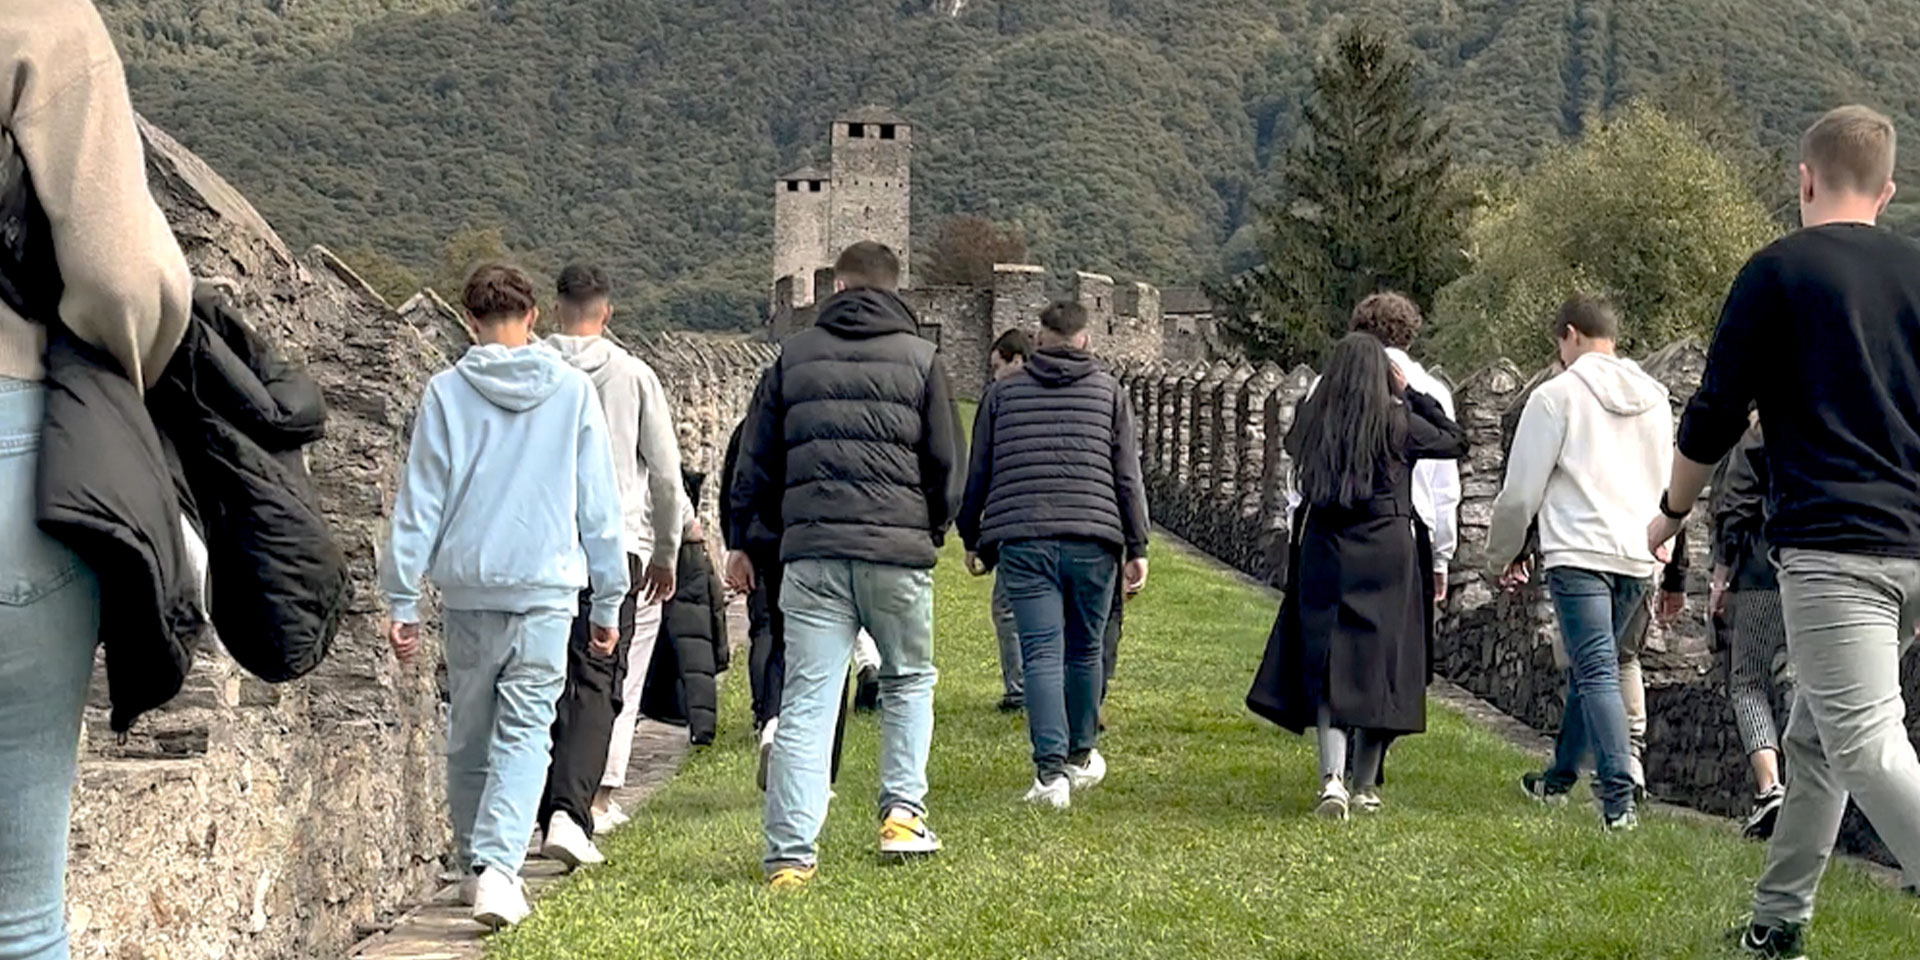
(1201, 843)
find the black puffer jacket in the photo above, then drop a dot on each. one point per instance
(221, 435)
(1056, 456)
(854, 441)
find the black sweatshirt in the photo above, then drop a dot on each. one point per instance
(1822, 329)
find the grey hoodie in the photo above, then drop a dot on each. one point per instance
(1590, 457)
(646, 450)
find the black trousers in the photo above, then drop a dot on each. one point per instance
(767, 649)
(583, 717)
(1110, 641)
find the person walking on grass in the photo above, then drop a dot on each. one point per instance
(594, 719)
(854, 444)
(1007, 357)
(1590, 445)
(1349, 650)
(1821, 333)
(1056, 505)
(510, 505)
(1745, 612)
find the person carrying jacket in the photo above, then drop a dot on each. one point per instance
(594, 720)
(692, 652)
(1590, 447)
(854, 442)
(1055, 501)
(509, 504)
(125, 290)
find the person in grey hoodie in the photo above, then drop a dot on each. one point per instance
(509, 505)
(593, 726)
(1589, 453)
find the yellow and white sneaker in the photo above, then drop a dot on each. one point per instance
(905, 834)
(793, 876)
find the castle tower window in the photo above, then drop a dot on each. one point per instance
(886, 131)
(857, 130)
(793, 186)
(813, 186)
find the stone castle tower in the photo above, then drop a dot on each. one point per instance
(867, 195)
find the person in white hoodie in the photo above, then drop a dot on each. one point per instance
(593, 728)
(1589, 454)
(509, 505)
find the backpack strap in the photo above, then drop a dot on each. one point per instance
(29, 274)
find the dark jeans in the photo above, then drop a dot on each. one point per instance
(767, 650)
(1596, 612)
(583, 717)
(1110, 638)
(1062, 595)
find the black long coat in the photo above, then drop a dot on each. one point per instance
(1355, 629)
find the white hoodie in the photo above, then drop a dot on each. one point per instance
(646, 450)
(1590, 457)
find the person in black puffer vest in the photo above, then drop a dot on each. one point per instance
(692, 651)
(1055, 499)
(854, 442)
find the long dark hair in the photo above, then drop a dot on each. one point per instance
(1344, 432)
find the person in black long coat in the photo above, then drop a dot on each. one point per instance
(1351, 650)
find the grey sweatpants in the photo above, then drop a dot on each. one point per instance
(1849, 618)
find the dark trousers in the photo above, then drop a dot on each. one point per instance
(1110, 641)
(583, 717)
(767, 649)
(1062, 596)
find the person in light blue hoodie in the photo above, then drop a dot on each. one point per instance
(510, 506)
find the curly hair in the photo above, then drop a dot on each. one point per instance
(1389, 316)
(497, 291)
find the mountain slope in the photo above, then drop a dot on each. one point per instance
(1127, 136)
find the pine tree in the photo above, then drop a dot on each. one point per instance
(1369, 203)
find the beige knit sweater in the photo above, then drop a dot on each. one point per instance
(63, 97)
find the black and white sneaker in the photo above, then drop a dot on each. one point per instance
(866, 697)
(1535, 786)
(1782, 942)
(1766, 813)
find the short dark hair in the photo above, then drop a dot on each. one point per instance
(1390, 317)
(692, 481)
(1850, 148)
(1593, 316)
(1064, 317)
(498, 291)
(1014, 345)
(868, 264)
(582, 283)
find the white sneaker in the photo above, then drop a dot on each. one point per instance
(570, 845)
(766, 750)
(1089, 776)
(1057, 794)
(1333, 801)
(499, 900)
(606, 820)
(464, 890)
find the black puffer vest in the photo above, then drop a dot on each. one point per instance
(1055, 426)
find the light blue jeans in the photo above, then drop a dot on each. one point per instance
(1596, 612)
(827, 603)
(505, 672)
(49, 619)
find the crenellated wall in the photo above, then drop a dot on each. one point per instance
(1217, 475)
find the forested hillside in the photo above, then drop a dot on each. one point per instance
(1129, 136)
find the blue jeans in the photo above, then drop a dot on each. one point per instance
(1596, 611)
(49, 619)
(1007, 630)
(827, 603)
(505, 672)
(1062, 595)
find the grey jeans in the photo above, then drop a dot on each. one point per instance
(1007, 630)
(1849, 618)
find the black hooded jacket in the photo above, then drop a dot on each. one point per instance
(1056, 456)
(853, 440)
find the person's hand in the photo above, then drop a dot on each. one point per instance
(975, 565)
(1717, 594)
(657, 583)
(1518, 574)
(1397, 379)
(1439, 588)
(405, 638)
(1670, 606)
(1660, 533)
(695, 533)
(1135, 578)
(604, 640)
(739, 577)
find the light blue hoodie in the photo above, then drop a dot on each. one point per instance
(509, 501)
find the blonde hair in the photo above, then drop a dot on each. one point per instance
(1851, 148)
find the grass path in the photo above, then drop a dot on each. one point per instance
(1201, 843)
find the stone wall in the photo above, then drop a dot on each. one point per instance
(245, 820)
(1217, 476)
(959, 321)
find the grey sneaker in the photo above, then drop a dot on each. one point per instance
(1535, 786)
